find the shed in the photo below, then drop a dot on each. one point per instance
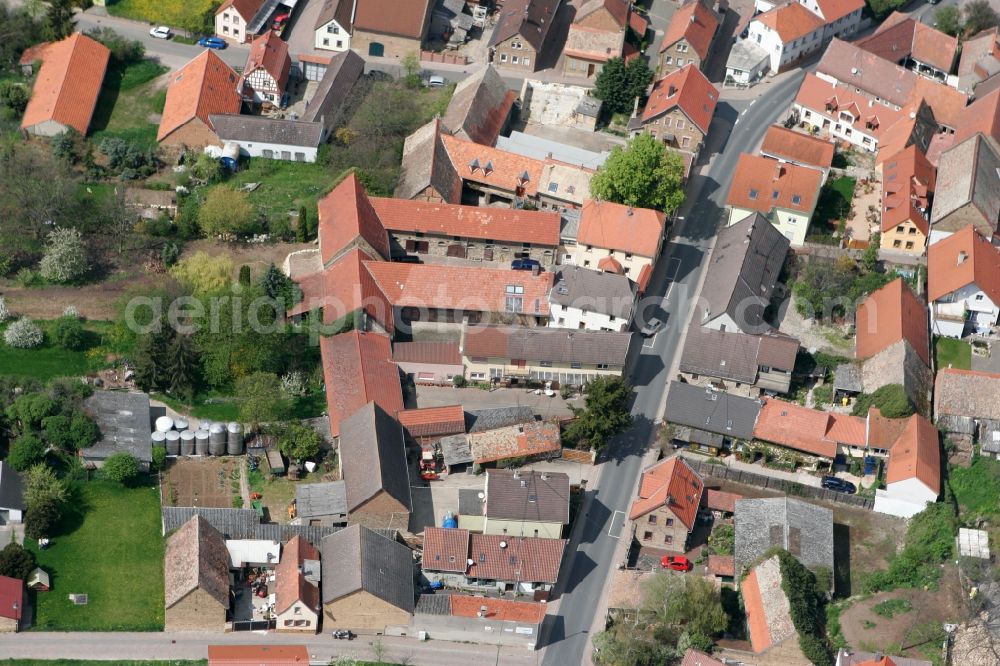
(39, 580)
(321, 503)
(125, 424)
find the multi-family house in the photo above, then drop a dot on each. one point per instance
(907, 189)
(503, 353)
(689, 36)
(591, 300)
(389, 28)
(333, 26)
(963, 284)
(840, 17)
(666, 508)
(233, 19)
(615, 238)
(918, 47)
(784, 193)
(522, 32)
(967, 189)
(526, 503)
(598, 33)
(788, 33)
(843, 114)
(265, 75)
(787, 145)
(297, 579)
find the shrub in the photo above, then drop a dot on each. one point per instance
(16, 562)
(5, 313)
(159, 457)
(203, 272)
(27, 450)
(68, 333)
(120, 467)
(458, 381)
(23, 334)
(806, 609)
(71, 311)
(170, 253)
(929, 541)
(890, 399)
(892, 607)
(65, 258)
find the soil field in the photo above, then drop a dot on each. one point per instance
(201, 482)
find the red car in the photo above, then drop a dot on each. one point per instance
(279, 21)
(676, 562)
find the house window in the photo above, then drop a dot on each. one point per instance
(225, 30)
(548, 364)
(527, 61)
(668, 539)
(753, 194)
(669, 60)
(652, 519)
(670, 522)
(667, 122)
(909, 245)
(514, 60)
(897, 243)
(326, 42)
(685, 142)
(679, 124)
(236, 19)
(298, 610)
(647, 536)
(603, 366)
(680, 62)
(288, 623)
(503, 57)
(340, 44)
(912, 231)
(900, 228)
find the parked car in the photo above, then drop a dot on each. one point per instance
(652, 327)
(676, 562)
(525, 265)
(839, 485)
(279, 21)
(212, 42)
(436, 81)
(343, 634)
(161, 32)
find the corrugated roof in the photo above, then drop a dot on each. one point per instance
(546, 344)
(328, 498)
(124, 420)
(68, 83)
(373, 457)
(521, 495)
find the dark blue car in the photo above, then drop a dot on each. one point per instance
(212, 42)
(525, 265)
(839, 485)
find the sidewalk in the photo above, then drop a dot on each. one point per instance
(803, 478)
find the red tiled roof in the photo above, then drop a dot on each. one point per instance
(460, 287)
(983, 115)
(438, 353)
(246, 8)
(884, 661)
(891, 314)
(698, 658)
(791, 21)
(760, 635)
(809, 430)
(291, 585)
(673, 484)
(517, 441)
(270, 53)
(694, 22)
(687, 89)
(835, 9)
(609, 264)
(202, 87)
(441, 219)
(962, 259)
(762, 184)
(445, 549)
(343, 288)
(718, 500)
(68, 83)
(11, 597)
(900, 36)
(524, 559)
(916, 454)
(907, 183)
(345, 214)
(504, 610)
(816, 94)
(357, 370)
(433, 421)
(492, 166)
(797, 147)
(612, 226)
(722, 565)
(946, 102)
(638, 23)
(258, 655)
(392, 17)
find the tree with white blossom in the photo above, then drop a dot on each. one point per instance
(65, 258)
(23, 334)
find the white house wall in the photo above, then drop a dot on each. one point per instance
(278, 151)
(591, 321)
(332, 37)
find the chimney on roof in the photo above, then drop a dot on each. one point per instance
(670, 499)
(692, 18)
(545, 477)
(629, 211)
(779, 170)
(962, 257)
(672, 90)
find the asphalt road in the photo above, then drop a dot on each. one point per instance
(738, 127)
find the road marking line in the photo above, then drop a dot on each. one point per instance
(673, 268)
(753, 101)
(613, 524)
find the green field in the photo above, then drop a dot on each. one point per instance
(284, 185)
(217, 407)
(49, 360)
(954, 353)
(110, 548)
(130, 97)
(192, 15)
(977, 488)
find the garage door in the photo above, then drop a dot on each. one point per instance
(376, 49)
(313, 71)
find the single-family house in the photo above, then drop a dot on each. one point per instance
(788, 32)
(358, 369)
(521, 33)
(805, 530)
(811, 431)
(507, 353)
(615, 238)
(271, 655)
(729, 344)
(125, 423)
(235, 19)
(429, 362)
(847, 657)
(913, 473)
(768, 610)
(390, 28)
(916, 46)
(11, 495)
(708, 420)
(980, 63)
(297, 605)
(196, 570)
(523, 565)
(967, 189)
(333, 26)
(67, 86)
(270, 138)
(689, 36)
(203, 87)
(804, 150)
(784, 193)
(585, 299)
(679, 112)
(666, 508)
(478, 619)
(480, 107)
(965, 405)
(599, 32)
(11, 604)
(963, 284)
(322, 504)
(266, 73)
(367, 581)
(526, 503)
(429, 424)
(374, 468)
(908, 182)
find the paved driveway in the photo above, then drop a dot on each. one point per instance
(475, 398)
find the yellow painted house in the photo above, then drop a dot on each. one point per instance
(784, 193)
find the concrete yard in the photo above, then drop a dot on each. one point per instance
(476, 398)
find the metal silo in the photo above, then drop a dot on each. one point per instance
(174, 443)
(181, 424)
(217, 439)
(188, 443)
(160, 439)
(203, 443)
(164, 424)
(235, 438)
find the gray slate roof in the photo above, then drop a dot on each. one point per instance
(603, 293)
(712, 411)
(244, 128)
(527, 495)
(433, 604)
(547, 344)
(244, 524)
(456, 449)
(357, 558)
(469, 503)
(967, 173)
(334, 89)
(426, 163)
(735, 356)
(11, 488)
(321, 499)
(848, 377)
(745, 56)
(125, 425)
(480, 420)
(373, 457)
(804, 530)
(476, 106)
(529, 18)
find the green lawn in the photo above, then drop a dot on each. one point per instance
(833, 205)
(954, 353)
(50, 361)
(976, 488)
(284, 185)
(129, 98)
(110, 548)
(193, 15)
(218, 407)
